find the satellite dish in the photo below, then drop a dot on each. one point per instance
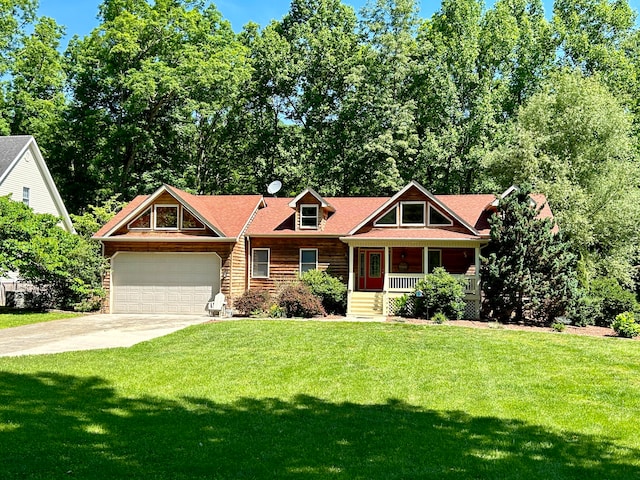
(274, 187)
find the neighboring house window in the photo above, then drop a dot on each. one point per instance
(308, 259)
(166, 217)
(143, 221)
(388, 219)
(308, 216)
(25, 195)
(260, 263)
(412, 213)
(434, 259)
(190, 222)
(438, 218)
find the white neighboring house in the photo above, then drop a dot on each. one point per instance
(24, 175)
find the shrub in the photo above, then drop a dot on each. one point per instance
(558, 326)
(403, 306)
(625, 325)
(297, 301)
(439, 318)
(610, 299)
(252, 301)
(439, 292)
(331, 291)
(276, 311)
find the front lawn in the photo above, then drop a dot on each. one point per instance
(17, 318)
(315, 400)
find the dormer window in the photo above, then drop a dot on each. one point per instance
(412, 214)
(309, 216)
(166, 217)
(389, 219)
(190, 222)
(438, 218)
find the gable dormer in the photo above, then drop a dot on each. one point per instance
(311, 210)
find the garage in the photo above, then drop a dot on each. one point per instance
(179, 283)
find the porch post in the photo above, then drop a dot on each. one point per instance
(351, 279)
(385, 284)
(478, 269)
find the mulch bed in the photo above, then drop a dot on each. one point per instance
(590, 330)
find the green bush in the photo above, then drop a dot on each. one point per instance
(625, 325)
(253, 301)
(403, 306)
(331, 290)
(439, 292)
(558, 326)
(297, 301)
(439, 318)
(610, 299)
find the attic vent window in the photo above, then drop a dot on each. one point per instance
(437, 218)
(309, 216)
(143, 221)
(166, 217)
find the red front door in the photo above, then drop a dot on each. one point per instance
(371, 271)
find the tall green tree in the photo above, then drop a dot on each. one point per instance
(529, 273)
(573, 141)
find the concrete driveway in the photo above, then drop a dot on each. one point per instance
(90, 332)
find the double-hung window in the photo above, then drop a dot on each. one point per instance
(260, 263)
(308, 259)
(309, 216)
(26, 192)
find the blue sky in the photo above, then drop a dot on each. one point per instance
(79, 16)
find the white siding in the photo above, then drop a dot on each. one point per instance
(26, 173)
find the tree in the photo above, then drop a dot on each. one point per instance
(573, 142)
(65, 266)
(529, 273)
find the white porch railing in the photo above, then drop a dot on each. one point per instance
(399, 282)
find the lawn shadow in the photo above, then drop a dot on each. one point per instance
(55, 426)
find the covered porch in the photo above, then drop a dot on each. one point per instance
(382, 271)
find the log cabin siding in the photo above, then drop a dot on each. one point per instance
(284, 262)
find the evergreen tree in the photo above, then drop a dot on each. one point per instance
(529, 273)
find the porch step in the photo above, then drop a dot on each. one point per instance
(366, 304)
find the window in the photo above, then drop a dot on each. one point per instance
(437, 218)
(260, 263)
(143, 220)
(166, 217)
(308, 216)
(25, 195)
(190, 222)
(412, 213)
(308, 259)
(434, 259)
(388, 219)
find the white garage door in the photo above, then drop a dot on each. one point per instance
(163, 282)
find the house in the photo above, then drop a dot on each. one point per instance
(172, 251)
(25, 177)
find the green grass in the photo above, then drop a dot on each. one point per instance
(17, 318)
(312, 400)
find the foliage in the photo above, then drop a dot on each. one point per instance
(558, 326)
(439, 318)
(404, 305)
(253, 300)
(625, 325)
(610, 299)
(331, 290)
(530, 271)
(65, 266)
(297, 301)
(439, 292)
(95, 216)
(276, 311)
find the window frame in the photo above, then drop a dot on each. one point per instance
(437, 210)
(182, 227)
(150, 211)
(300, 262)
(424, 213)
(430, 269)
(26, 195)
(253, 260)
(155, 216)
(395, 224)
(302, 217)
